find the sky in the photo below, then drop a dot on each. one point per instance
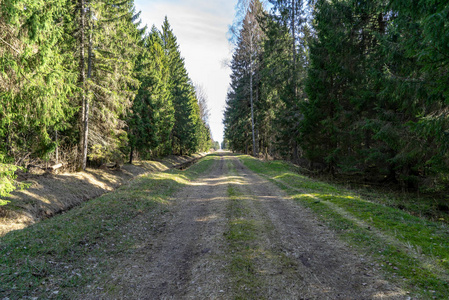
(200, 27)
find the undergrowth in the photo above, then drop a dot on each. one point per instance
(413, 251)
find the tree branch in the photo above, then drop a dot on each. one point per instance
(11, 46)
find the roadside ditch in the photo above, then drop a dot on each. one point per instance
(50, 194)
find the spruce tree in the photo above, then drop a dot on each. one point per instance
(341, 91)
(34, 86)
(415, 87)
(245, 82)
(152, 117)
(187, 124)
(108, 40)
(290, 32)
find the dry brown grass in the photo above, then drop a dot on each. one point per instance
(50, 194)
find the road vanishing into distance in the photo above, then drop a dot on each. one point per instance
(232, 234)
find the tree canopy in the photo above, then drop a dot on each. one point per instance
(351, 88)
(81, 82)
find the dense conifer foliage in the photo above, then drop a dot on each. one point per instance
(82, 83)
(241, 119)
(349, 87)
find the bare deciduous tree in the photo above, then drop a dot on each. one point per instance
(202, 103)
(250, 42)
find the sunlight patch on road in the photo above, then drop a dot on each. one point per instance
(389, 295)
(265, 198)
(204, 200)
(224, 181)
(209, 182)
(207, 218)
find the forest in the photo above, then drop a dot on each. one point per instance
(345, 87)
(335, 185)
(82, 83)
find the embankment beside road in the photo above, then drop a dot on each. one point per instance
(51, 194)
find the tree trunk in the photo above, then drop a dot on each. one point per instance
(293, 29)
(85, 98)
(85, 132)
(90, 55)
(57, 146)
(82, 82)
(131, 155)
(251, 93)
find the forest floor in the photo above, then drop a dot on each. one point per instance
(230, 227)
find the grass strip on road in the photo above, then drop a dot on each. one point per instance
(242, 244)
(65, 254)
(413, 251)
(241, 237)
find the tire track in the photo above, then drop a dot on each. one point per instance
(321, 266)
(291, 255)
(177, 262)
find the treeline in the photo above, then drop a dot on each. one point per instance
(348, 87)
(82, 83)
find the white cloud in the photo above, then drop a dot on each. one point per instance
(200, 27)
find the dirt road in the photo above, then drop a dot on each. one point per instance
(232, 234)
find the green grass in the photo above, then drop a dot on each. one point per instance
(62, 255)
(241, 237)
(242, 246)
(413, 251)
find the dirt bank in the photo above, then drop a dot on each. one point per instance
(49, 194)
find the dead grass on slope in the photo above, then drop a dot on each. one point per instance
(49, 194)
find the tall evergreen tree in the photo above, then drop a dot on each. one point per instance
(152, 117)
(284, 70)
(245, 80)
(185, 134)
(34, 86)
(108, 41)
(340, 89)
(289, 34)
(415, 88)
(370, 97)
